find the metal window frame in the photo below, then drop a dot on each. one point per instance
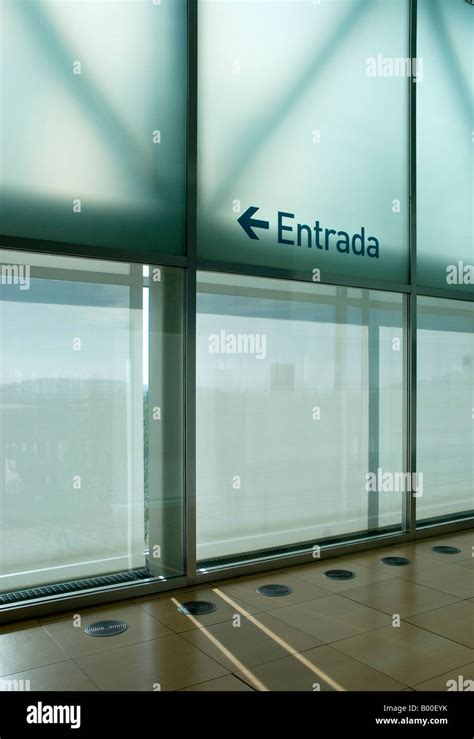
(192, 264)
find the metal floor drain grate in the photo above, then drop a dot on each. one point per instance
(106, 628)
(444, 549)
(395, 561)
(273, 590)
(17, 596)
(197, 607)
(339, 574)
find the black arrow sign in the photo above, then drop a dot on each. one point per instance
(248, 223)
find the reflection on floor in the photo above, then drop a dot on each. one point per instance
(389, 628)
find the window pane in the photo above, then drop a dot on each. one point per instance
(300, 395)
(302, 115)
(445, 145)
(92, 136)
(91, 381)
(445, 407)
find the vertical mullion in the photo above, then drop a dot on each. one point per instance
(191, 205)
(373, 344)
(410, 518)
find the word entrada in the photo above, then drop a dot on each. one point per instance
(301, 234)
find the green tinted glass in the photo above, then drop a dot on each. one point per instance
(93, 122)
(446, 145)
(303, 135)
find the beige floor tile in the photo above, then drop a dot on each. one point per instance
(314, 573)
(452, 579)
(62, 676)
(141, 627)
(400, 596)
(469, 563)
(166, 611)
(15, 626)
(327, 672)
(248, 643)
(372, 560)
(170, 662)
(26, 648)
(247, 591)
(228, 683)
(455, 622)
(332, 618)
(408, 654)
(463, 537)
(463, 678)
(466, 534)
(365, 558)
(425, 547)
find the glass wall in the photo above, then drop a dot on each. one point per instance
(93, 120)
(445, 124)
(303, 135)
(300, 411)
(445, 390)
(91, 432)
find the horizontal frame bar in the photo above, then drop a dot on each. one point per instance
(445, 294)
(103, 254)
(300, 276)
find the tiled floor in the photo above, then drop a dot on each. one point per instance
(389, 628)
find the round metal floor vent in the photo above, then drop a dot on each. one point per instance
(274, 590)
(197, 607)
(106, 628)
(444, 549)
(395, 561)
(339, 574)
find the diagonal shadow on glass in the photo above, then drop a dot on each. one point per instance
(257, 133)
(447, 51)
(114, 133)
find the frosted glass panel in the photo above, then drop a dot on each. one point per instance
(445, 145)
(445, 407)
(300, 395)
(92, 131)
(85, 486)
(303, 119)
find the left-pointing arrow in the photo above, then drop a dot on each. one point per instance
(248, 223)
